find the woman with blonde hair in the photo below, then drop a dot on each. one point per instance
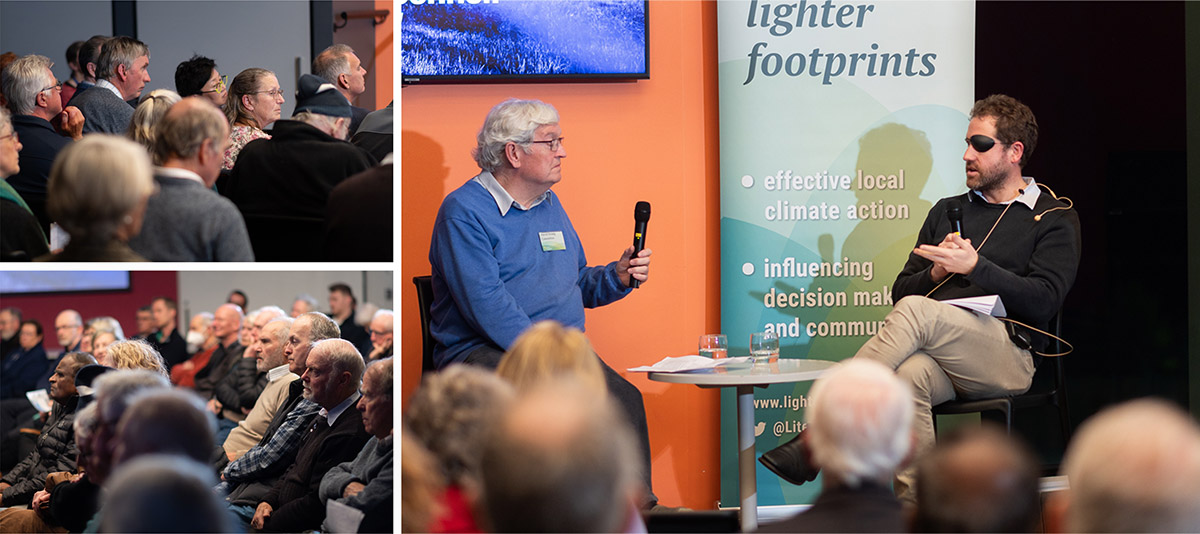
(136, 354)
(548, 351)
(149, 113)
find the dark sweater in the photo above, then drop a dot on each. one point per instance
(1030, 264)
(295, 497)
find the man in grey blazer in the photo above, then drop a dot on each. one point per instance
(121, 74)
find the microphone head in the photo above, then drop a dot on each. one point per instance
(954, 211)
(641, 212)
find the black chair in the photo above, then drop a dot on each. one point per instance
(425, 301)
(1055, 396)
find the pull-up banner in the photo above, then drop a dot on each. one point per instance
(841, 124)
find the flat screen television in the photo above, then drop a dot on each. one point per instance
(43, 282)
(506, 41)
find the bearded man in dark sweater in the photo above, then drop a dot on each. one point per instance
(1018, 241)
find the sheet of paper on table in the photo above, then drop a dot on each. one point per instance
(986, 305)
(677, 364)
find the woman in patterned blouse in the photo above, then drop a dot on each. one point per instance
(255, 101)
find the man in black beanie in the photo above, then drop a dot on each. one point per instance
(281, 184)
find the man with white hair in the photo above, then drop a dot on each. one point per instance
(1134, 467)
(504, 254)
(122, 71)
(291, 174)
(381, 335)
(334, 374)
(186, 220)
(340, 66)
(44, 126)
(859, 430)
(269, 360)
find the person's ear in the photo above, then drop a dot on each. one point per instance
(247, 102)
(1018, 151)
(513, 153)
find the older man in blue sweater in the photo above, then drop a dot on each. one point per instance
(504, 253)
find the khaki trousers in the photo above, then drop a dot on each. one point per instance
(945, 353)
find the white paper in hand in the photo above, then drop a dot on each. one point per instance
(40, 399)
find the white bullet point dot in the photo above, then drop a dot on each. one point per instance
(747, 268)
(747, 181)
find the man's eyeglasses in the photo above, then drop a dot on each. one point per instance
(57, 85)
(552, 144)
(220, 85)
(982, 143)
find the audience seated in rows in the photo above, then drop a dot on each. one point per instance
(284, 182)
(248, 479)
(185, 219)
(365, 484)
(331, 380)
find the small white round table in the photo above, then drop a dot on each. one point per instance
(745, 377)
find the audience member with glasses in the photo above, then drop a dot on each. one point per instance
(254, 101)
(199, 76)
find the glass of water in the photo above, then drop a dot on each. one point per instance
(714, 346)
(764, 347)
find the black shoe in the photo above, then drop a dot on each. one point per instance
(792, 461)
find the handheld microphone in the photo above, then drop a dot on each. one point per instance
(954, 214)
(641, 216)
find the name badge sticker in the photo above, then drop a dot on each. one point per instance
(552, 241)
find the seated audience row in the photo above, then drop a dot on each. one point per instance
(143, 448)
(218, 210)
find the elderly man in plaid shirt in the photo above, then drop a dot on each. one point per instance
(248, 479)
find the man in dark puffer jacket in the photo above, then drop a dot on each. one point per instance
(56, 450)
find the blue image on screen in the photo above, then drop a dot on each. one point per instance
(524, 37)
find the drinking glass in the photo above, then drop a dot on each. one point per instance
(764, 347)
(714, 346)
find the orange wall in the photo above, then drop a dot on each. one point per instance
(653, 140)
(383, 65)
